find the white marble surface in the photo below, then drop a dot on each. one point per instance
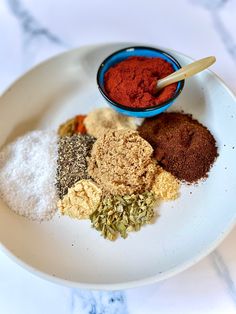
(33, 30)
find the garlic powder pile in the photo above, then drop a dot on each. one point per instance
(81, 200)
(101, 120)
(166, 186)
(27, 175)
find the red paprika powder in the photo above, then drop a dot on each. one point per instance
(132, 82)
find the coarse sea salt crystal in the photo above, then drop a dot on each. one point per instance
(27, 175)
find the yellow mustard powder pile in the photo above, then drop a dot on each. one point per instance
(166, 186)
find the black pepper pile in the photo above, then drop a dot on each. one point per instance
(72, 161)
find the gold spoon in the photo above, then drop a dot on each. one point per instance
(185, 72)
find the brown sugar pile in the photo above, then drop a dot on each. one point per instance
(121, 163)
(182, 145)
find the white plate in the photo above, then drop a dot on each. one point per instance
(71, 252)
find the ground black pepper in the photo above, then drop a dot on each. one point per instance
(181, 145)
(72, 161)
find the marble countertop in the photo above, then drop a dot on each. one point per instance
(31, 31)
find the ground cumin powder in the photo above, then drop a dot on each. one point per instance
(182, 145)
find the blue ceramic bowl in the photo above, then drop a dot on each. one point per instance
(123, 54)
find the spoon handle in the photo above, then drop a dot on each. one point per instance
(186, 71)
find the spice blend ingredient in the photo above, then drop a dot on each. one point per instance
(166, 186)
(72, 161)
(100, 120)
(182, 145)
(27, 175)
(120, 215)
(121, 163)
(73, 126)
(80, 126)
(132, 82)
(81, 200)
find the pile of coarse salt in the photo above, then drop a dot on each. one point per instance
(27, 175)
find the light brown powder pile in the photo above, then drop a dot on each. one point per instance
(121, 163)
(81, 200)
(101, 120)
(166, 186)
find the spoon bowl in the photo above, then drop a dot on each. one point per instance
(185, 72)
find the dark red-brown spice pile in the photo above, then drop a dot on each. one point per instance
(181, 145)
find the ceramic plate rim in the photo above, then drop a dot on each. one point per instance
(135, 283)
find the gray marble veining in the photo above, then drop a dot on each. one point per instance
(98, 302)
(223, 271)
(214, 7)
(34, 35)
(30, 26)
(225, 36)
(211, 4)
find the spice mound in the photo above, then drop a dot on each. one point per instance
(99, 121)
(182, 145)
(121, 163)
(27, 175)
(72, 161)
(81, 200)
(73, 126)
(132, 82)
(120, 215)
(166, 186)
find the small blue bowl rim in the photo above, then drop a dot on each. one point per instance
(143, 109)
